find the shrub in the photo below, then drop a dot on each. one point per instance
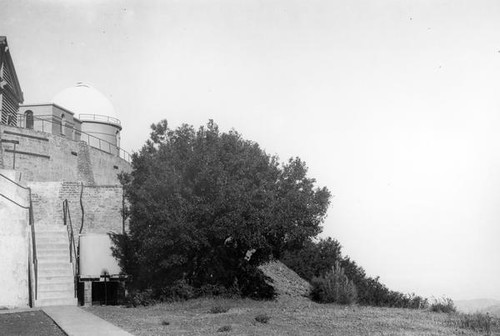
(179, 291)
(443, 305)
(262, 318)
(225, 328)
(209, 290)
(256, 285)
(140, 298)
(316, 258)
(334, 286)
(219, 309)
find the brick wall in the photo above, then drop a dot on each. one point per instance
(45, 157)
(102, 205)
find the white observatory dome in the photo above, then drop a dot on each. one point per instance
(86, 103)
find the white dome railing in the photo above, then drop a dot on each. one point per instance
(99, 117)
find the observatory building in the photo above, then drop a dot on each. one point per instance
(60, 195)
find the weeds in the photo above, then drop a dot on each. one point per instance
(225, 328)
(219, 309)
(262, 318)
(443, 305)
(478, 322)
(334, 286)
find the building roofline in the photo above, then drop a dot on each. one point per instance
(7, 58)
(49, 104)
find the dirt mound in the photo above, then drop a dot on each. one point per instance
(285, 281)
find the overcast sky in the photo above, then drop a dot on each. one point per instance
(394, 105)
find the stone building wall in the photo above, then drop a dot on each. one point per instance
(45, 157)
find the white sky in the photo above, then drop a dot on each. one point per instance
(394, 105)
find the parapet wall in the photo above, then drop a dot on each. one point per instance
(45, 157)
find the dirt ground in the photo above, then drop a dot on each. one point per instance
(29, 323)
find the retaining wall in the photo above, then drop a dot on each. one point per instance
(14, 244)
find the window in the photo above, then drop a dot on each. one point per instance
(28, 119)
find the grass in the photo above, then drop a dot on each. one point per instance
(288, 317)
(480, 322)
(28, 323)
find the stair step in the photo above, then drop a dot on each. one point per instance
(52, 246)
(61, 232)
(42, 228)
(49, 273)
(63, 257)
(54, 286)
(56, 293)
(53, 265)
(56, 302)
(61, 278)
(52, 239)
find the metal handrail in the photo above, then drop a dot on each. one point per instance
(17, 184)
(31, 222)
(19, 205)
(98, 117)
(106, 147)
(73, 256)
(33, 242)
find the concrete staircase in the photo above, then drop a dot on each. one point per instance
(56, 284)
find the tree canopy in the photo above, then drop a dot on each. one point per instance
(208, 207)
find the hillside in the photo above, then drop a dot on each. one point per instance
(287, 317)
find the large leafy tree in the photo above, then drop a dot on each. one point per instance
(208, 207)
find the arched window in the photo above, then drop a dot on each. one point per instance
(62, 124)
(28, 119)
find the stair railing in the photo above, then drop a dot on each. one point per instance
(73, 256)
(32, 259)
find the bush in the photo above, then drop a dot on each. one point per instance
(140, 298)
(262, 318)
(334, 286)
(225, 328)
(219, 309)
(179, 291)
(316, 258)
(443, 305)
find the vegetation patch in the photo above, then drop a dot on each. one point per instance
(443, 305)
(262, 318)
(219, 309)
(479, 322)
(316, 258)
(207, 208)
(334, 286)
(225, 328)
